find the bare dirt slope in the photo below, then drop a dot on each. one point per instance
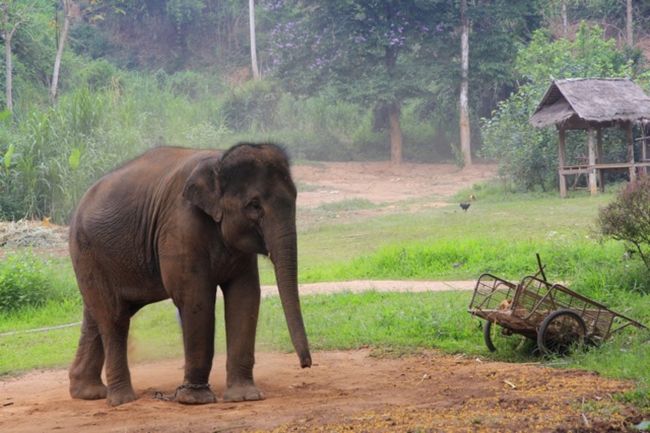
(344, 391)
(383, 183)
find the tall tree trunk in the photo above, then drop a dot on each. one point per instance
(395, 133)
(565, 20)
(8, 73)
(7, 35)
(251, 19)
(465, 143)
(629, 24)
(59, 52)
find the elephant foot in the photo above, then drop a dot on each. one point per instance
(116, 398)
(245, 392)
(87, 391)
(194, 394)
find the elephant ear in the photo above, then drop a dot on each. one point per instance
(202, 188)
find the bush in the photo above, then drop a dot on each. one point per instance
(96, 75)
(627, 218)
(23, 283)
(253, 105)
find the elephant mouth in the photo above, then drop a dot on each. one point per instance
(264, 249)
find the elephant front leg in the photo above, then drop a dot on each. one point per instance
(197, 321)
(242, 303)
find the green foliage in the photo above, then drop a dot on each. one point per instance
(23, 283)
(528, 155)
(589, 55)
(251, 106)
(184, 11)
(96, 75)
(627, 218)
(325, 129)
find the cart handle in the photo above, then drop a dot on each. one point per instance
(541, 268)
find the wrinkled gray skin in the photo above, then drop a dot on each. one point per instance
(178, 223)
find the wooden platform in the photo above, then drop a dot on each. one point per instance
(586, 169)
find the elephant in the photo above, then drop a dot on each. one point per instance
(178, 223)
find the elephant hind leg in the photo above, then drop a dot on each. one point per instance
(115, 331)
(85, 372)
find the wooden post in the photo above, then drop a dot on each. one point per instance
(600, 159)
(561, 152)
(593, 187)
(629, 138)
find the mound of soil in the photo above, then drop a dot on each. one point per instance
(343, 391)
(39, 234)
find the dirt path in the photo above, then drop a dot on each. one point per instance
(343, 391)
(376, 285)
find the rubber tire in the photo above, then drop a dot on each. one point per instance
(487, 330)
(543, 328)
(489, 342)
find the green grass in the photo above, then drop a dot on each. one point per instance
(532, 219)
(347, 205)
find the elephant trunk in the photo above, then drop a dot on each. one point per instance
(283, 253)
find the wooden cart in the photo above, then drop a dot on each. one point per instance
(554, 316)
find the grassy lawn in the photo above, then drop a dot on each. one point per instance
(499, 234)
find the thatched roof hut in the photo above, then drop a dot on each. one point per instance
(593, 104)
(579, 102)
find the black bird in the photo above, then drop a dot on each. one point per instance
(465, 206)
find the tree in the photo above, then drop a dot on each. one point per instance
(565, 20)
(498, 29)
(465, 140)
(70, 11)
(629, 23)
(14, 14)
(377, 53)
(251, 22)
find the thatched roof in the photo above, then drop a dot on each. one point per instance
(592, 100)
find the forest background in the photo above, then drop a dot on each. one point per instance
(88, 84)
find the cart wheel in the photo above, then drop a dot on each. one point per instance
(501, 339)
(560, 331)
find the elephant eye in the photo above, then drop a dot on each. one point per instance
(254, 209)
(254, 204)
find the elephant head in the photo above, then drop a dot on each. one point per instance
(249, 192)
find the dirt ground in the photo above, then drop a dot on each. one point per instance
(343, 391)
(383, 183)
(357, 391)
